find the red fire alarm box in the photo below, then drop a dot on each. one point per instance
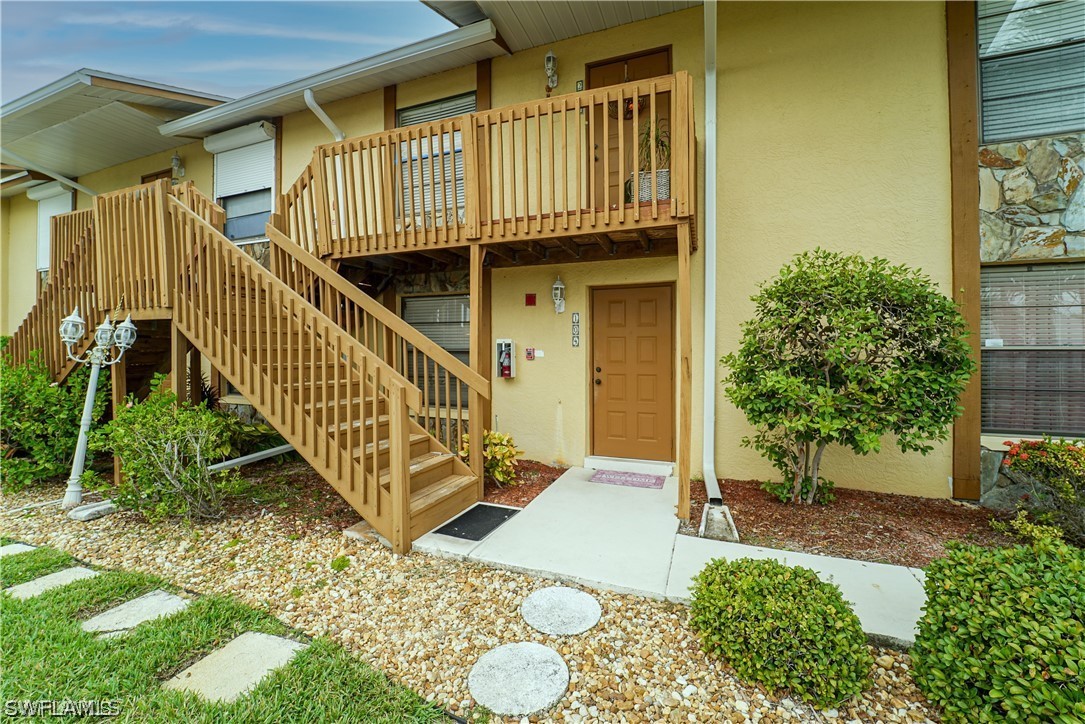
(529, 300)
(529, 353)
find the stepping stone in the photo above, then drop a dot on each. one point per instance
(561, 611)
(92, 511)
(53, 580)
(128, 615)
(227, 673)
(518, 679)
(12, 548)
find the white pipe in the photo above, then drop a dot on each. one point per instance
(715, 497)
(31, 166)
(310, 100)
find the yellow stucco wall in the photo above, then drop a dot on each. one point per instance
(434, 87)
(199, 169)
(18, 250)
(302, 131)
(546, 406)
(833, 131)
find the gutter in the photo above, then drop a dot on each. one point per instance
(708, 236)
(310, 100)
(31, 166)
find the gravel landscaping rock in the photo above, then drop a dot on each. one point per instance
(519, 679)
(425, 621)
(561, 611)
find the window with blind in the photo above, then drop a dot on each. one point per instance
(446, 320)
(243, 180)
(432, 167)
(1033, 349)
(1032, 67)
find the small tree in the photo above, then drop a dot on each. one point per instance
(845, 350)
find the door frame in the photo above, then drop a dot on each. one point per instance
(590, 357)
(669, 49)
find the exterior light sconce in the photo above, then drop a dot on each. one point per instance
(106, 339)
(550, 64)
(177, 165)
(559, 296)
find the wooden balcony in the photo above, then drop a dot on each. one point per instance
(580, 176)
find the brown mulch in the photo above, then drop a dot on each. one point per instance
(534, 477)
(878, 527)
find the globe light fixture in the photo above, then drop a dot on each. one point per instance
(102, 354)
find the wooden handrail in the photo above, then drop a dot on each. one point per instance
(71, 285)
(211, 239)
(384, 316)
(65, 230)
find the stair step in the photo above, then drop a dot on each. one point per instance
(435, 493)
(419, 465)
(415, 438)
(344, 426)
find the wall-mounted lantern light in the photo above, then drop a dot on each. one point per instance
(559, 296)
(551, 66)
(177, 165)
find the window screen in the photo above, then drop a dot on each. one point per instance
(1033, 355)
(1032, 67)
(446, 320)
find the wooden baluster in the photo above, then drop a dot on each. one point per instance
(398, 462)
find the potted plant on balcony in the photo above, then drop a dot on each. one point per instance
(654, 139)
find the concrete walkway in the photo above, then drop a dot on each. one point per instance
(626, 540)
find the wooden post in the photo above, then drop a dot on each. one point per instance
(965, 195)
(477, 422)
(179, 347)
(120, 391)
(195, 376)
(685, 370)
(399, 469)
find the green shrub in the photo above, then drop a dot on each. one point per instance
(1055, 472)
(39, 420)
(845, 351)
(781, 627)
(1002, 637)
(165, 448)
(499, 453)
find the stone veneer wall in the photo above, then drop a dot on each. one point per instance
(1032, 199)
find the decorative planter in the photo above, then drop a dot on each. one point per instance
(644, 185)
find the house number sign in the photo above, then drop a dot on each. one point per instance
(576, 329)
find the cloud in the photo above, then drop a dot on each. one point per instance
(219, 26)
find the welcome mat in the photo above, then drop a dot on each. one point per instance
(629, 480)
(478, 522)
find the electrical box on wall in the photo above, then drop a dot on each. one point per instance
(506, 358)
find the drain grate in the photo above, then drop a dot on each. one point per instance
(478, 522)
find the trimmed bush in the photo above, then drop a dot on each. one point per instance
(1055, 472)
(40, 420)
(1002, 636)
(846, 351)
(165, 448)
(781, 627)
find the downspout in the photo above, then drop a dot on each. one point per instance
(708, 236)
(310, 100)
(31, 166)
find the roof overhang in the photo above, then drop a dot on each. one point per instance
(453, 49)
(531, 23)
(90, 120)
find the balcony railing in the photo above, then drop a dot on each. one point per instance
(610, 159)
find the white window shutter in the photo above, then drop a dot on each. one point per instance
(249, 168)
(48, 207)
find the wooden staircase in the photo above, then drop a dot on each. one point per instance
(348, 408)
(330, 368)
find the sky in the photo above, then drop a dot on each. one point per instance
(230, 47)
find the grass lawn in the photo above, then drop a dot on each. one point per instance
(47, 656)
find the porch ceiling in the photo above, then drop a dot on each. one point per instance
(90, 120)
(530, 23)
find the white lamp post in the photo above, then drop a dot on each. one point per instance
(72, 329)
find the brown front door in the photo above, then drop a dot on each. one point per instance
(640, 66)
(633, 372)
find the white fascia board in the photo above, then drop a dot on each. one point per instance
(82, 77)
(212, 118)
